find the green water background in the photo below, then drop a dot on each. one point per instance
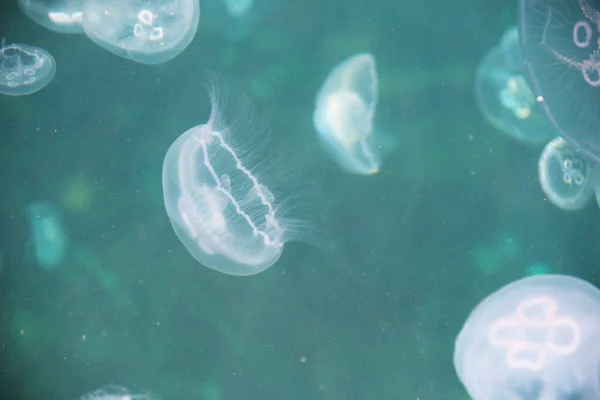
(455, 213)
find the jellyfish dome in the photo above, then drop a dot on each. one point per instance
(536, 338)
(344, 113)
(62, 16)
(221, 198)
(145, 31)
(566, 177)
(24, 69)
(504, 97)
(560, 40)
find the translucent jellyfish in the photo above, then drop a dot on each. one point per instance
(238, 8)
(146, 31)
(220, 194)
(235, 19)
(561, 49)
(566, 176)
(113, 392)
(504, 97)
(344, 113)
(24, 69)
(63, 16)
(48, 237)
(536, 338)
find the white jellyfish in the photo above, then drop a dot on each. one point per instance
(24, 69)
(63, 16)
(222, 196)
(566, 176)
(344, 113)
(536, 338)
(145, 31)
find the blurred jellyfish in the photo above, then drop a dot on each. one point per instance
(536, 338)
(561, 49)
(344, 113)
(234, 19)
(145, 31)
(48, 237)
(503, 96)
(113, 392)
(63, 16)
(221, 186)
(24, 69)
(566, 176)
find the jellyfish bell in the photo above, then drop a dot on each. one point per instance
(504, 97)
(566, 177)
(148, 32)
(62, 16)
(344, 115)
(232, 199)
(24, 69)
(560, 41)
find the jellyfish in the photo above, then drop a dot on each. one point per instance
(560, 41)
(536, 338)
(344, 113)
(62, 16)
(567, 178)
(504, 97)
(24, 69)
(48, 236)
(145, 31)
(222, 194)
(113, 392)
(235, 19)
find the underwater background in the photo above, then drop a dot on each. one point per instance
(455, 213)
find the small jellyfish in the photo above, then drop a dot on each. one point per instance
(503, 96)
(145, 31)
(113, 392)
(344, 113)
(536, 338)
(62, 16)
(235, 19)
(48, 236)
(222, 197)
(24, 69)
(238, 8)
(560, 41)
(566, 176)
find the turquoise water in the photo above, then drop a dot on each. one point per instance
(455, 213)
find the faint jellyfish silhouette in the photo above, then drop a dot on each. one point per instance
(503, 96)
(113, 392)
(566, 176)
(24, 69)
(48, 236)
(561, 49)
(238, 8)
(344, 112)
(536, 338)
(145, 31)
(222, 197)
(63, 16)
(236, 19)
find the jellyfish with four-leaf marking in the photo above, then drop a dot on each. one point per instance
(24, 69)
(145, 31)
(536, 338)
(62, 16)
(504, 97)
(231, 198)
(344, 114)
(560, 40)
(567, 177)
